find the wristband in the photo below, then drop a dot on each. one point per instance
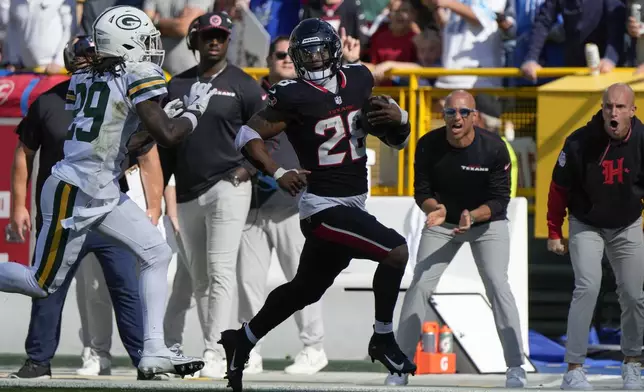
(192, 117)
(279, 173)
(404, 116)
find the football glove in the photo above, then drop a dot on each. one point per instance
(174, 108)
(197, 100)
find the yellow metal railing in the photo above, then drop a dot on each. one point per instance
(417, 100)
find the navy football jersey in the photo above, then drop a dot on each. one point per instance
(324, 130)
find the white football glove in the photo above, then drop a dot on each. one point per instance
(197, 100)
(174, 108)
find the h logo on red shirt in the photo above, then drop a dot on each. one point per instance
(610, 171)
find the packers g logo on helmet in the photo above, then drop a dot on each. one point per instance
(128, 22)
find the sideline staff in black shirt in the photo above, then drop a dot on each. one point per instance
(462, 183)
(213, 185)
(208, 155)
(462, 172)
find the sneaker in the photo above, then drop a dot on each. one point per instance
(384, 348)
(255, 364)
(94, 365)
(169, 361)
(515, 377)
(632, 375)
(238, 349)
(32, 370)
(308, 361)
(396, 380)
(576, 379)
(214, 365)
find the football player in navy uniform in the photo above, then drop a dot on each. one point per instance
(320, 111)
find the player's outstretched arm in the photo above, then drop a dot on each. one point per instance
(265, 124)
(160, 123)
(165, 130)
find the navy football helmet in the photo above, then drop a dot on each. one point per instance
(316, 50)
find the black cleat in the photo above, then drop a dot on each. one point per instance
(237, 347)
(32, 370)
(190, 368)
(384, 348)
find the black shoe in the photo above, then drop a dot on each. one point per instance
(384, 348)
(237, 347)
(32, 370)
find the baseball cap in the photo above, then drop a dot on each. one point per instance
(489, 105)
(490, 109)
(214, 20)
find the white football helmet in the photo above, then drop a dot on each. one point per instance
(127, 32)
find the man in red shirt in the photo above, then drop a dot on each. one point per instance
(394, 41)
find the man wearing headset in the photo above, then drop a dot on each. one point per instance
(213, 188)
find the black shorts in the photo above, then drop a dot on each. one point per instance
(352, 232)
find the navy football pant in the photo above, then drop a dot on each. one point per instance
(334, 237)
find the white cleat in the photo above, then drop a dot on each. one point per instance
(167, 361)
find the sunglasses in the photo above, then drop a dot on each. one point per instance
(464, 112)
(281, 55)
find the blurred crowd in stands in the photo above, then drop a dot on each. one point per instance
(452, 34)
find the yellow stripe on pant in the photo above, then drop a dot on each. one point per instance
(56, 236)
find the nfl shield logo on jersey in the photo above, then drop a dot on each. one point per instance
(338, 100)
(562, 159)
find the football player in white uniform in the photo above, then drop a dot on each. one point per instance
(120, 88)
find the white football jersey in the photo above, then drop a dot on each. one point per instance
(104, 120)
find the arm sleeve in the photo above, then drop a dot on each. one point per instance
(144, 82)
(511, 15)
(485, 15)
(558, 194)
(500, 182)
(422, 178)
(544, 20)
(615, 29)
(30, 130)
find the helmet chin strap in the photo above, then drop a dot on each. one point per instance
(329, 82)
